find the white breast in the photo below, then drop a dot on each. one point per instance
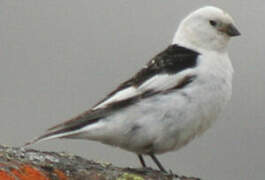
(163, 123)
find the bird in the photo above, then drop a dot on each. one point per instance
(174, 98)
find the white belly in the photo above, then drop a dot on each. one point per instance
(164, 123)
(161, 123)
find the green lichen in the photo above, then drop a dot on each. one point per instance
(129, 176)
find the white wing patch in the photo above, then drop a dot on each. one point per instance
(118, 96)
(159, 82)
(163, 82)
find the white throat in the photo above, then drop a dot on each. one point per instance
(200, 43)
(195, 34)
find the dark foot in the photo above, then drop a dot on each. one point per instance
(159, 165)
(141, 160)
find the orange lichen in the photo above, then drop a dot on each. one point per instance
(5, 176)
(28, 172)
(60, 174)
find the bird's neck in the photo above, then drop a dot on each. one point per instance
(199, 43)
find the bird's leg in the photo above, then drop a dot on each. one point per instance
(142, 160)
(157, 163)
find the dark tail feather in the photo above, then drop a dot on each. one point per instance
(47, 136)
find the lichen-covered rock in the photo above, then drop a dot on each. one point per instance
(29, 164)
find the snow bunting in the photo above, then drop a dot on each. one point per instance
(174, 98)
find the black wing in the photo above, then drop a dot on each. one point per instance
(172, 60)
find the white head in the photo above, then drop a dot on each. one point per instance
(208, 28)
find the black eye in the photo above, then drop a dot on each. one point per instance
(213, 23)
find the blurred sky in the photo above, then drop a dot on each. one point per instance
(60, 57)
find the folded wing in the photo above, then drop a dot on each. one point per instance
(172, 69)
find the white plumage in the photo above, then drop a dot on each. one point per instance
(164, 107)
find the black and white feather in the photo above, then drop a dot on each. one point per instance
(148, 82)
(175, 97)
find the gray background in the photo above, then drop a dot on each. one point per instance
(60, 57)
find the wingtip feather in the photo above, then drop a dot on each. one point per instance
(35, 140)
(44, 137)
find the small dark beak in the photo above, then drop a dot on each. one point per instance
(231, 30)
